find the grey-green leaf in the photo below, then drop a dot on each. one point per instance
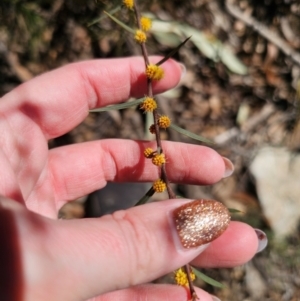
(146, 197)
(120, 23)
(167, 39)
(170, 54)
(113, 11)
(232, 210)
(208, 47)
(231, 61)
(119, 106)
(207, 279)
(190, 134)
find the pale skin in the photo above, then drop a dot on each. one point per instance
(112, 257)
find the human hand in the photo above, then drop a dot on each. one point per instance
(46, 259)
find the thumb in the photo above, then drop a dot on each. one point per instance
(80, 259)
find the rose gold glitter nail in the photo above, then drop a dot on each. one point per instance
(200, 222)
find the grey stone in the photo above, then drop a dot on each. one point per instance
(277, 175)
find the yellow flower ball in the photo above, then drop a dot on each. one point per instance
(149, 104)
(128, 3)
(148, 152)
(159, 185)
(164, 121)
(140, 36)
(181, 277)
(159, 159)
(154, 72)
(146, 23)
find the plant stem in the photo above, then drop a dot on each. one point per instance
(187, 269)
(164, 175)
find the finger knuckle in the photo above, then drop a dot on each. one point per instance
(140, 242)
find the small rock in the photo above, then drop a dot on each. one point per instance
(277, 175)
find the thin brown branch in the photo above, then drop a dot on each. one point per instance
(187, 269)
(155, 113)
(164, 175)
(143, 45)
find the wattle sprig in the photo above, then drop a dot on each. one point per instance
(155, 72)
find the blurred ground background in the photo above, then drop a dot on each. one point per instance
(241, 90)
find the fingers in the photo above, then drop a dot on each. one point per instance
(225, 251)
(153, 292)
(11, 282)
(59, 100)
(82, 168)
(8, 179)
(81, 259)
(85, 258)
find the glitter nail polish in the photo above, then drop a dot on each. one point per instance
(200, 222)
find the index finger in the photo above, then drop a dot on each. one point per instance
(59, 100)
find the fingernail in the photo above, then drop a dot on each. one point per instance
(200, 222)
(215, 298)
(262, 240)
(229, 168)
(183, 70)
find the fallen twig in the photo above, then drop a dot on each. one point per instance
(263, 31)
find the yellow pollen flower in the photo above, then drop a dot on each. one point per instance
(154, 72)
(146, 23)
(152, 129)
(164, 121)
(128, 3)
(149, 104)
(159, 185)
(159, 159)
(140, 36)
(181, 277)
(148, 152)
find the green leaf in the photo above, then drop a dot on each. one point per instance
(170, 54)
(231, 61)
(120, 23)
(190, 134)
(146, 197)
(119, 106)
(170, 40)
(209, 45)
(232, 210)
(113, 11)
(168, 27)
(207, 279)
(205, 44)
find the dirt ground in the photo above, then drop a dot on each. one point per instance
(241, 101)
